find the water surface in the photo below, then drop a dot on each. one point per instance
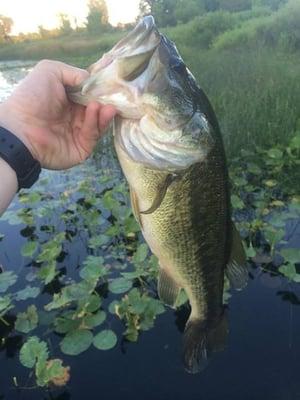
(261, 361)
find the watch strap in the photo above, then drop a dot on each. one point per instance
(16, 154)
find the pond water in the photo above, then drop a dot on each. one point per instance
(263, 354)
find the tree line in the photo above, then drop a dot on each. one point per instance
(173, 12)
(166, 13)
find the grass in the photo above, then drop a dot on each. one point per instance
(81, 46)
(255, 94)
(255, 90)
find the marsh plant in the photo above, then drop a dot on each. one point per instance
(85, 265)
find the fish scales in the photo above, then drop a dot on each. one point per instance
(170, 149)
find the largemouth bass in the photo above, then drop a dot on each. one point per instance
(170, 148)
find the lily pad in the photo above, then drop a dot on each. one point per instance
(29, 292)
(76, 342)
(120, 285)
(32, 350)
(27, 321)
(291, 255)
(29, 248)
(7, 279)
(105, 340)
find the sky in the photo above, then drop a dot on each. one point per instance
(29, 14)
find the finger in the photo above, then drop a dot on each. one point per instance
(90, 123)
(105, 116)
(69, 75)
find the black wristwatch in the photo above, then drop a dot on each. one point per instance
(16, 154)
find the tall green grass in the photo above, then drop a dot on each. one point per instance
(252, 80)
(60, 48)
(256, 94)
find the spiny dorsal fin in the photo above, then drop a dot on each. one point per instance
(236, 270)
(161, 194)
(168, 290)
(135, 207)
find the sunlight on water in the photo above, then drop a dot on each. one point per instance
(11, 73)
(5, 88)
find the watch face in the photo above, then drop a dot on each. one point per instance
(16, 154)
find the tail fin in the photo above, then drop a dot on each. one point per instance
(200, 340)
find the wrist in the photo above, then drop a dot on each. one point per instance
(15, 122)
(15, 150)
(9, 185)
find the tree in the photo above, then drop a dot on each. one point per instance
(273, 4)
(65, 27)
(97, 18)
(187, 10)
(235, 5)
(6, 24)
(164, 12)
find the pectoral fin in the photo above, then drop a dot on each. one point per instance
(135, 207)
(168, 289)
(170, 178)
(236, 270)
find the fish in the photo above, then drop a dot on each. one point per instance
(169, 145)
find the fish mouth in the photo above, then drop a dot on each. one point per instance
(135, 51)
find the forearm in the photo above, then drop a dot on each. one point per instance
(8, 185)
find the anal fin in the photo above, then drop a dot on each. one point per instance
(236, 270)
(168, 289)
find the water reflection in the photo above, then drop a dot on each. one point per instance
(291, 297)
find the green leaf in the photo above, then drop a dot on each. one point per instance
(30, 198)
(98, 241)
(29, 248)
(237, 202)
(295, 142)
(7, 279)
(105, 340)
(93, 268)
(11, 217)
(28, 320)
(76, 342)
(90, 304)
(75, 292)
(93, 320)
(47, 272)
(275, 153)
(290, 272)
(112, 307)
(253, 169)
(52, 249)
(49, 371)
(120, 285)
(273, 235)
(29, 292)
(250, 251)
(291, 255)
(65, 324)
(141, 253)
(5, 304)
(32, 350)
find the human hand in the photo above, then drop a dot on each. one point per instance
(58, 133)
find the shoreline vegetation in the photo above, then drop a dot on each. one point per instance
(245, 59)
